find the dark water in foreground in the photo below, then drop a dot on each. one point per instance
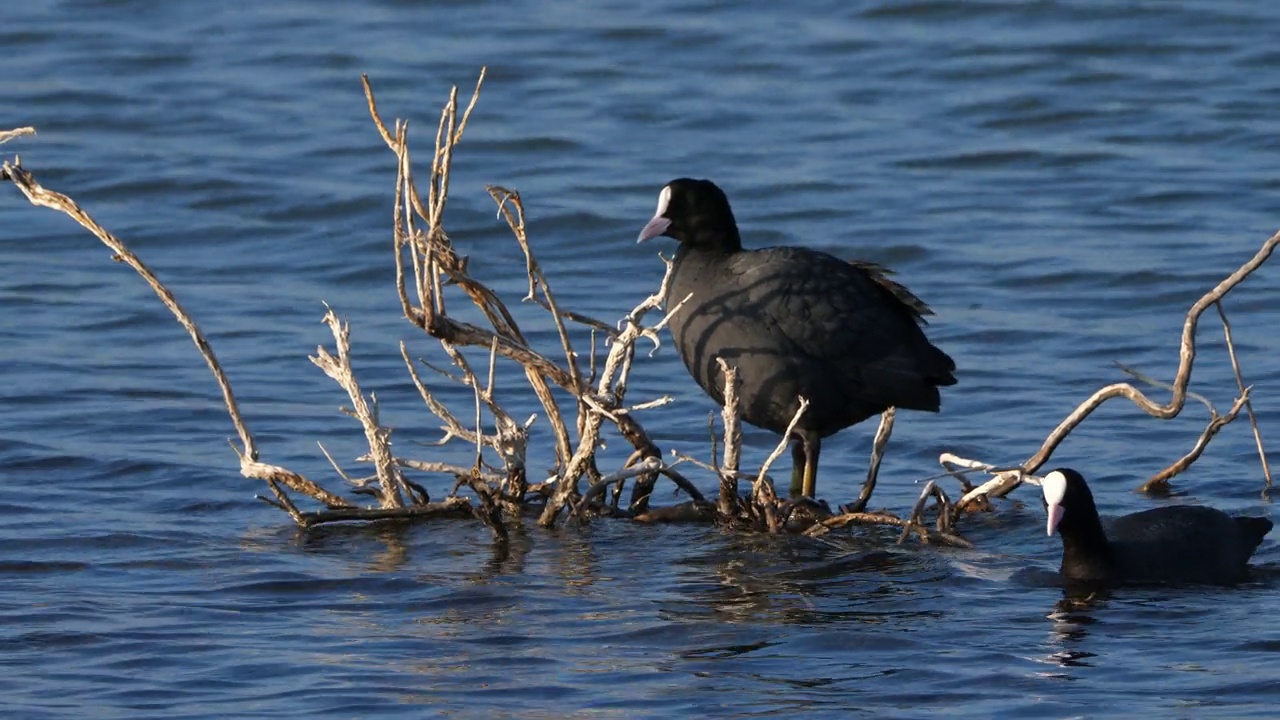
(1060, 180)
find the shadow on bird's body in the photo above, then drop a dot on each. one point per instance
(795, 322)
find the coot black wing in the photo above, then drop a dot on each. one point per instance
(838, 314)
(1179, 543)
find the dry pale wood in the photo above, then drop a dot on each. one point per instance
(782, 444)
(1005, 480)
(444, 468)
(506, 339)
(597, 488)
(38, 195)
(510, 438)
(452, 427)
(1244, 393)
(728, 472)
(365, 410)
(359, 483)
(432, 260)
(916, 519)
(1160, 481)
(877, 454)
(7, 135)
(282, 501)
(610, 386)
(250, 467)
(763, 498)
(273, 474)
(1187, 356)
(511, 207)
(435, 264)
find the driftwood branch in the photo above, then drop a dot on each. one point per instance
(1160, 481)
(1187, 356)
(732, 441)
(250, 466)
(39, 196)
(7, 135)
(883, 432)
(1005, 480)
(365, 410)
(1244, 393)
(432, 276)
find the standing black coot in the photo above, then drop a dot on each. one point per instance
(796, 323)
(1172, 544)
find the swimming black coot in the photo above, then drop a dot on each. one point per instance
(796, 323)
(1172, 544)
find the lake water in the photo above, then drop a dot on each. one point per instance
(1059, 179)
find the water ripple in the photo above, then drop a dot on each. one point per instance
(1058, 180)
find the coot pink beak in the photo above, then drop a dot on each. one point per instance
(656, 227)
(1055, 517)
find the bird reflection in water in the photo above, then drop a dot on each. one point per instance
(1070, 626)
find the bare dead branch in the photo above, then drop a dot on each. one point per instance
(455, 507)
(357, 482)
(7, 135)
(282, 501)
(1148, 380)
(394, 144)
(732, 441)
(466, 115)
(866, 518)
(1187, 355)
(916, 519)
(512, 209)
(1244, 393)
(1006, 480)
(600, 396)
(452, 427)
(39, 196)
(597, 488)
(786, 439)
(877, 453)
(298, 483)
(339, 369)
(1160, 481)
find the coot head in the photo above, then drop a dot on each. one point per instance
(1068, 501)
(696, 213)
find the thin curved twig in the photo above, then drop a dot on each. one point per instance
(1187, 355)
(1160, 481)
(1244, 393)
(39, 196)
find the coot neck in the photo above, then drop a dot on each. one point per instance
(1086, 552)
(711, 240)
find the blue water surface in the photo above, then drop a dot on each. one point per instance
(1060, 180)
